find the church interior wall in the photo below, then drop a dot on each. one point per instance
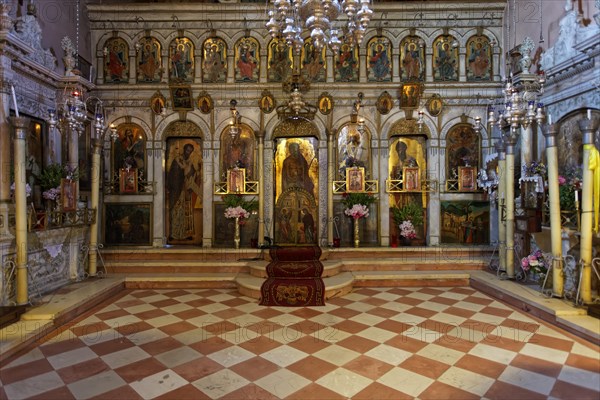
(505, 22)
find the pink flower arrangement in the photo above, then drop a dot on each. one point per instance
(236, 212)
(561, 180)
(407, 230)
(534, 262)
(357, 211)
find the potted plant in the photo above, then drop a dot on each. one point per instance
(407, 217)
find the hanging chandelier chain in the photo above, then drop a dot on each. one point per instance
(288, 18)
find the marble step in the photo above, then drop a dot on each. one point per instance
(344, 282)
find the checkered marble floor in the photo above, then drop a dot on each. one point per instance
(375, 343)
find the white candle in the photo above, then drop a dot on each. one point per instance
(14, 96)
(549, 119)
(589, 114)
(576, 196)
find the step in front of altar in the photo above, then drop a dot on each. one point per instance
(176, 266)
(334, 267)
(343, 283)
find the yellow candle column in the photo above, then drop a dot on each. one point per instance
(95, 200)
(555, 223)
(587, 128)
(511, 140)
(21, 125)
(261, 186)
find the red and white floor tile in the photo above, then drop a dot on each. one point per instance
(375, 343)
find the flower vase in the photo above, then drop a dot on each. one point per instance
(356, 236)
(236, 237)
(405, 241)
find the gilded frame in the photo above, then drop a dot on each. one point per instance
(236, 180)
(355, 180)
(467, 179)
(128, 180)
(68, 192)
(411, 179)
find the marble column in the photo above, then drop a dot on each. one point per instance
(434, 158)
(21, 125)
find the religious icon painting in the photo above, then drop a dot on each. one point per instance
(247, 60)
(214, 60)
(435, 105)
(384, 103)
(410, 95)
(116, 61)
(355, 180)
(205, 103)
(181, 98)
(379, 62)
(412, 59)
(279, 60)
(345, 64)
(411, 179)
(181, 60)
(236, 180)
(149, 68)
(467, 179)
(479, 58)
(445, 58)
(128, 180)
(325, 103)
(68, 191)
(267, 102)
(158, 103)
(313, 62)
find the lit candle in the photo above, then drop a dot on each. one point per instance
(14, 96)
(589, 114)
(576, 196)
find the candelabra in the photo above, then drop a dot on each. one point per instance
(520, 111)
(288, 18)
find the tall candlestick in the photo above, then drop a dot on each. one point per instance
(14, 96)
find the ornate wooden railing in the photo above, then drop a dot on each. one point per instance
(398, 186)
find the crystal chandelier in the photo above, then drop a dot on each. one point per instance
(71, 114)
(288, 18)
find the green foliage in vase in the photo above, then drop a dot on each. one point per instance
(235, 200)
(52, 174)
(365, 199)
(409, 212)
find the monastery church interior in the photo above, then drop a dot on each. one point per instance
(299, 199)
